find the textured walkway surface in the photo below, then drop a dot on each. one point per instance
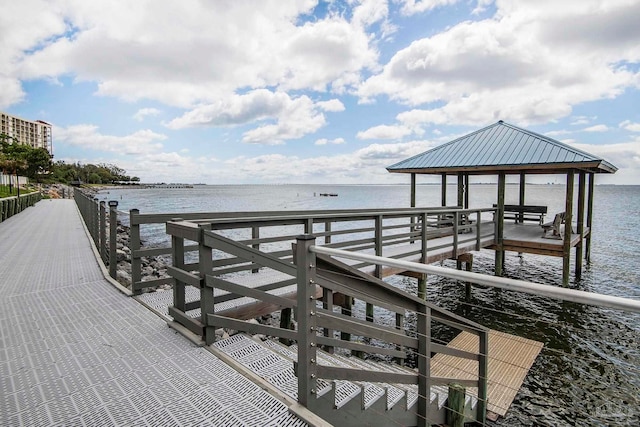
(75, 351)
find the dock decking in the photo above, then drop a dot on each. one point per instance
(510, 359)
(529, 238)
(75, 351)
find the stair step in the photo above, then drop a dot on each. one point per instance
(372, 392)
(278, 369)
(273, 362)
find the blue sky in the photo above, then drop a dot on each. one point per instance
(305, 91)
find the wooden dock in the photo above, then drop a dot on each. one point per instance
(528, 238)
(510, 358)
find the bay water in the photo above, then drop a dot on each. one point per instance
(588, 372)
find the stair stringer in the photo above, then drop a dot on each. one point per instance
(352, 412)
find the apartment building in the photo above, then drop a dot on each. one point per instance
(34, 133)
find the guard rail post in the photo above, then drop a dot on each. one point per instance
(94, 221)
(103, 231)
(113, 235)
(307, 366)
(483, 363)
(424, 364)
(134, 243)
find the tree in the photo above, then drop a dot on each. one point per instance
(38, 163)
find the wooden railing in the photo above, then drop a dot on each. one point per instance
(10, 206)
(262, 244)
(138, 220)
(355, 229)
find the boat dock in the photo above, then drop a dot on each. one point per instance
(78, 350)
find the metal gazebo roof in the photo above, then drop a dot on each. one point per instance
(502, 147)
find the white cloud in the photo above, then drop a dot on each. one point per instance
(630, 126)
(517, 66)
(555, 133)
(596, 128)
(625, 156)
(144, 112)
(325, 141)
(363, 165)
(581, 120)
(195, 53)
(11, 92)
(333, 105)
(87, 136)
(385, 132)
(411, 7)
(294, 117)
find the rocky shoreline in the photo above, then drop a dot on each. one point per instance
(152, 267)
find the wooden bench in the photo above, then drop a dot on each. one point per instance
(555, 225)
(521, 213)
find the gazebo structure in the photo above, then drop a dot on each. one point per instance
(503, 149)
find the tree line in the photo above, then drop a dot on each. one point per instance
(37, 164)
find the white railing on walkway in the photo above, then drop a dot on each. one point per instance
(572, 295)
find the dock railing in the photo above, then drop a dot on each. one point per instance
(232, 259)
(261, 220)
(102, 228)
(10, 206)
(355, 229)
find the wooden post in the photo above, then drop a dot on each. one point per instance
(346, 310)
(424, 365)
(327, 230)
(521, 198)
(579, 246)
(456, 221)
(589, 218)
(461, 189)
(422, 286)
(455, 408)
(413, 203)
(205, 267)
(307, 367)
(568, 218)
(400, 327)
(443, 195)
(466, 191)
(177, 256)
(378, 268)
(413, 190)
(327, 304)
(469, 267)
(255, 234)
(134, 242)
(483, 370)
(113, 238)
(422, 280)
(499, 262)
(285, 323)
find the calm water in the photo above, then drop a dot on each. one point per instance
(589, 370)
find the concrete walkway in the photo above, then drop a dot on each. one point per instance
(75, 351)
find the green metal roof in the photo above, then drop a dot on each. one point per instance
(502, 147)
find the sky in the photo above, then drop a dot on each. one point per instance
(308, 91)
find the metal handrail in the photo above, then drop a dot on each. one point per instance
(571, 295)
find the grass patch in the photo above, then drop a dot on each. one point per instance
(4, 191)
